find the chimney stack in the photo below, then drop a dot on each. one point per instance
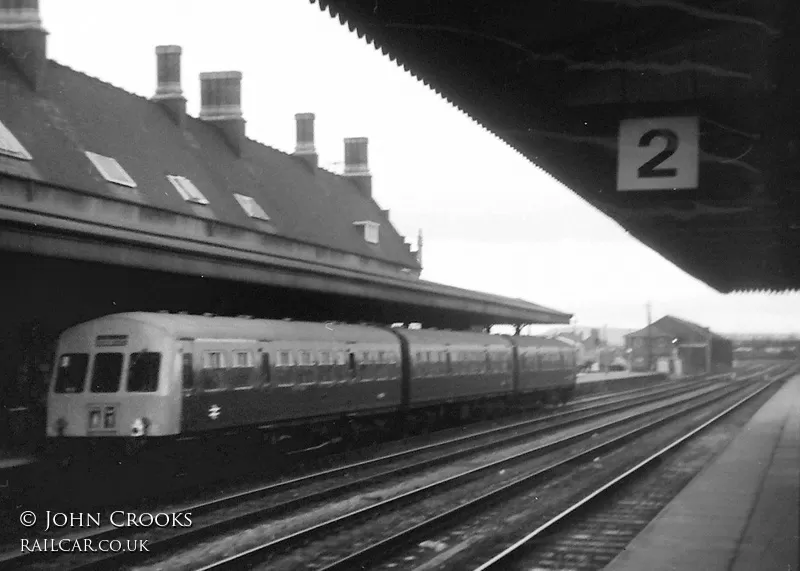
(305, 139)
(23, 38)
(221, 104)
(168, 90)
(356, 166)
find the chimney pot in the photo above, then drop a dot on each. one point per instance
(356, 166)
(20, 15)
(23, 38)
(355, 156)
(220, 95)
(168, 91)
(305, 148)
(169, 72)
(221, 104)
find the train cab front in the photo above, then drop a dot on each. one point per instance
(109, 396)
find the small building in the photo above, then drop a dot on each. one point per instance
(676, 346)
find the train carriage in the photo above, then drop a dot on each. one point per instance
(448, 366)
(545, 366)
(171, 375)
(162, 375)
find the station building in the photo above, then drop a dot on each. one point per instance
(112, 202)
(680, 347)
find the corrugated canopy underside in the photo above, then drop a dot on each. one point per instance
(554, 79)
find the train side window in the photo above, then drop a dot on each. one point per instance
(143, 372)
(324, 368)
(106, 372)
(214, 360)
(306, 358)
(242, 360)
(285, 359)
(188, 371)
(212, 377)
(241, 374)
(71, 372)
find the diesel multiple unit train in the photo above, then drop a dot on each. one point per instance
(167, 376)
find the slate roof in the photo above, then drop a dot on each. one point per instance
(670, 326)
(651, 331)
(73, 112)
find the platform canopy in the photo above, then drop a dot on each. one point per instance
(677, 118)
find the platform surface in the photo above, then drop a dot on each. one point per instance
(612, 376)
(10, 460)
(741, 512)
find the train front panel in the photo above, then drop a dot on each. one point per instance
(114, 378)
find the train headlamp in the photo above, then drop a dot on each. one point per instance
(140, 426)
(61, 426)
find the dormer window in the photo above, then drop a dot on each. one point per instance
(187, 189)
(111, 170)
(371, 230)
(249, 205)
(10, 146)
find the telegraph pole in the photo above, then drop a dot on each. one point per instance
(649, 340)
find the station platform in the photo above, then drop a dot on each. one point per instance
(742, 513)
(614, 376)
(10, 460)
(605, 383)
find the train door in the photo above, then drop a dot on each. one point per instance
(184, 381)
(352, 366)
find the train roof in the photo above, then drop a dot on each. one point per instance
(201, 326)
(447, 337)
(536, 341)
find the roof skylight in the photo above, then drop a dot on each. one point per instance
(371, 230)
(9, 145)
(249, 205)
(187, 189)
(111, 169)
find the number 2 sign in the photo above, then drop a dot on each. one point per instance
(658, 153)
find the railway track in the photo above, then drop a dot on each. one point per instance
(299, 493)
(591, 516)
(608, 505)
(182, 495)
(283, 497)
(370, 553)
(520, 467)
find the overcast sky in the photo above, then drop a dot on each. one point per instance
(492, 221)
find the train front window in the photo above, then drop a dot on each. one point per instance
(143, 372)
(71, 372)
(106, 372)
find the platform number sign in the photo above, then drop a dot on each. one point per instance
(658, 153)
